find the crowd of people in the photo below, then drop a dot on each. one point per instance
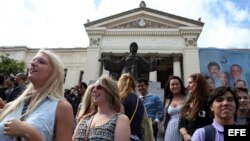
(35, 106)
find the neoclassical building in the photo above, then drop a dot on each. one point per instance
(171, 37)
(174, 38)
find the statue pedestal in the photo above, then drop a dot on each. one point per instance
(155, 88)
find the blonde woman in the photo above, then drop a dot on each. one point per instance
(103, 122)
(133, 106)
(39, 112)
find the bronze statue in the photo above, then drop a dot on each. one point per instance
(132, 63)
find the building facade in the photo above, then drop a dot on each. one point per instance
(171, 37)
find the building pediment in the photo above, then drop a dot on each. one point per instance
(143, 17)
(142, 23)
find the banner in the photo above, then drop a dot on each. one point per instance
(225, 66)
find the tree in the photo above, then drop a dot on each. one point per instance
(10, 66)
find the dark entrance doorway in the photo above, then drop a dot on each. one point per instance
(165, 70)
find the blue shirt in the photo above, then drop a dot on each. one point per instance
(42, 118)
(199, 134)
(153, 106)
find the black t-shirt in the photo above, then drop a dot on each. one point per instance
(202, 119)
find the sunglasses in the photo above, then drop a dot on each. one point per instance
(98, 87)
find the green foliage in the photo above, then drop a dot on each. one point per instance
(8, 65)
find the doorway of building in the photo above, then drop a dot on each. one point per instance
(165, 70)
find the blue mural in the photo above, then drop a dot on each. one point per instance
(225, 66)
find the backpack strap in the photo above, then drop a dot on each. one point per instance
(209, 133)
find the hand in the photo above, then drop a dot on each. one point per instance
(14, 127)
(187, 137)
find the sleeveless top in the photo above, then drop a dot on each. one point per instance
(103, 132)
(172, 130)
(129, 106)
(42, 118)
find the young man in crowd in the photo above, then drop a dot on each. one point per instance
(153, 104)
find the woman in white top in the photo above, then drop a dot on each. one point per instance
(175, 95)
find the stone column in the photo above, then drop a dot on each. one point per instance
(153, 76)
(93, 67)
(177, 64)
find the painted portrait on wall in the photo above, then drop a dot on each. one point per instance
(225, 66)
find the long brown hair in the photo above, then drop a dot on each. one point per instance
(197, 98)
(167, 92)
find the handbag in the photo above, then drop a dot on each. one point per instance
(146, 128)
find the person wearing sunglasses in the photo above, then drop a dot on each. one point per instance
(104, 121)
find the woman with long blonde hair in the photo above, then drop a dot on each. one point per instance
(39, 112)
(133, 106)
(104, 121)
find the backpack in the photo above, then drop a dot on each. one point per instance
(209, 133)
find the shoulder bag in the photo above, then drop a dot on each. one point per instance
(146, 128)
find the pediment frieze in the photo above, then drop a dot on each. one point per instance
(141, 23)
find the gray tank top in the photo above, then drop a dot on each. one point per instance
(104, 132)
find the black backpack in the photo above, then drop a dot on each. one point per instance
(209, 133)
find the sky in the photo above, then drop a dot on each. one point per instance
(59, 23)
